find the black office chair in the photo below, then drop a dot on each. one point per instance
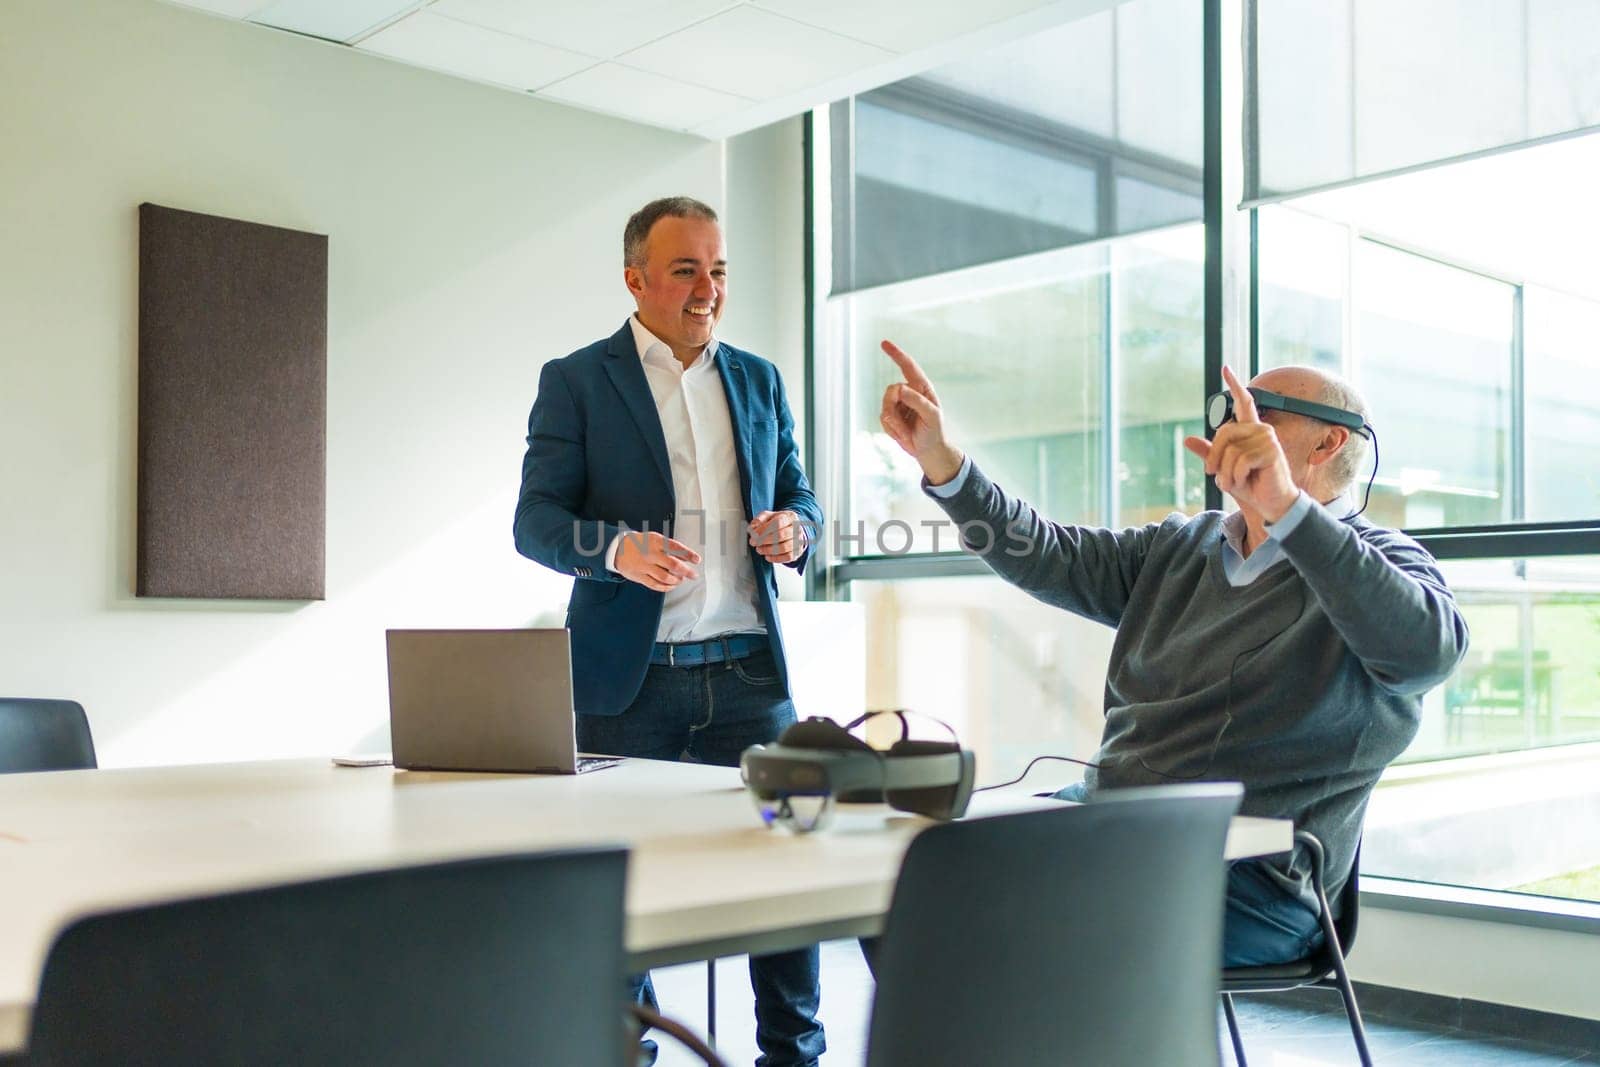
(1324, 968)
(514, 959)
(1088, 934)
(44, 735)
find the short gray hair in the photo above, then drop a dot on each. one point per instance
(1343, 468)
(640, 224)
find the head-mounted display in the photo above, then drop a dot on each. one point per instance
(817, 764)
(1219, 409)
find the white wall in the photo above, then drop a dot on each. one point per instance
(473, 234)
(764, 219)
(1501, 963)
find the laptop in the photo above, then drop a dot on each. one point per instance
(484, 700)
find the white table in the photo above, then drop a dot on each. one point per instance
(705, 878)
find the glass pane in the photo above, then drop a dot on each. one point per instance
(1011, 151)
(1158, 289)
(1016, 351)
(1433, 359)
(1561, 339)
(1338, 82)
(1014, 678)
(935, 195)
(1563, 75)
(1160, 67)
(1469, 53)
(1506, 819)
(1304, 267)
(1303, 53)
(1142, 205)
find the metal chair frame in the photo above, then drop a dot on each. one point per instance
(1323, 969)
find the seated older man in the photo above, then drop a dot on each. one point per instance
(1286, 646)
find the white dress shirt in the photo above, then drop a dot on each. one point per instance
(710, 514)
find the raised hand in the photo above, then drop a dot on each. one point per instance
(1246, 457)
(912, 417)
(655, 561)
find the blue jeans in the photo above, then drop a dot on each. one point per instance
(1262, 923)
(710, 714)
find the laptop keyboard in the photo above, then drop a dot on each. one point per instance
(595, 763)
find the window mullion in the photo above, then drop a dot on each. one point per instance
(1519, 421)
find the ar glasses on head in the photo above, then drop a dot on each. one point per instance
(1219, 409)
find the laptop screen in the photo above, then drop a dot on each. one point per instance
(482, 700)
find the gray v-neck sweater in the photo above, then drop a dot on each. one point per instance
(1303, 685)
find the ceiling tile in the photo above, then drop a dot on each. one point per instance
(344, 21)
(603, 28)
(755, 54)
(643, 97)
(899, 26)
(431, 40)
(235, 9)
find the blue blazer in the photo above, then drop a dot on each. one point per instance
(597, 463)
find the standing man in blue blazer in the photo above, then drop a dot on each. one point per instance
(662, 474)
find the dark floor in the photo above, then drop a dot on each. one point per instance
(1280, 1035)
(1275, 1034)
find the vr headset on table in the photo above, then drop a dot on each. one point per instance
(817, 764)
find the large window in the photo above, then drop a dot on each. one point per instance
(1028, 223)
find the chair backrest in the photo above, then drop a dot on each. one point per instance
(44, 735)
(515, 959)
(1349, 903)
(1090, 934)
(1345, 925)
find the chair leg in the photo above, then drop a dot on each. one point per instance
(711, 1002)
(1341, 980)
(1352, 1011)
(1335, 949)
(1233, 1029)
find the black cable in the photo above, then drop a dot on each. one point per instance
(1371, 435)
(1029, 767)
(905, 727)
(655, 1020)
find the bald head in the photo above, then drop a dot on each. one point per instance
(1323, 387)
(1304, 383)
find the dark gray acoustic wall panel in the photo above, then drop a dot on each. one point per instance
(233, 397)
